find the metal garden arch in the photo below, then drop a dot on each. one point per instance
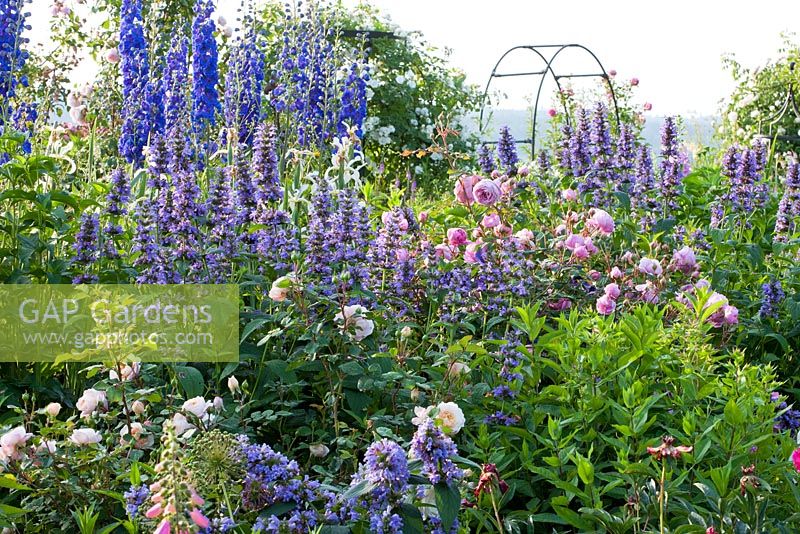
(539, 51)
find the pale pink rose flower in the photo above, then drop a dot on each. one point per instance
(612, 291)
(600, 221)
(570, 195)
(456, 236)
(606, 305)
(486, 192)
(650, 266)
(464, 189)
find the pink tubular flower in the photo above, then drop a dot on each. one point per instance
(569, 195)
(199, 519)
(648, 106)
(606, 305)
(634, 82)
(490, 220)
(154, 511)
(486, 192)
(464, 189)
(612, 291)
(163, 528)
(600, 221)
(552, 112)
(456, 236)
(796, 459)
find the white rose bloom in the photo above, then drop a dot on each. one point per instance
(14, 439)
(197, 406)
(354, 317)
(181, 424)
(450, 417)
(85, 436)
(319, 450)
(233, 384)
(421, 415)
(52, 409)
(92, 400)
(47, 445)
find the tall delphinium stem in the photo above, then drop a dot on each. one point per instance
(243, 85)
(12, 54)
(136, 100)
(205, 75)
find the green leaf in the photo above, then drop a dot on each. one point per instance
(733, 414)
(352, 368)
(9, 481)
(191, 380)
(448, 501)
(412, 519)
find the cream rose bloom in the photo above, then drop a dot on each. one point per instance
(181, 424)
(197, 406)
(450, 417)
(91, 401)
(85, 436)
(52, 409)
(12, 441)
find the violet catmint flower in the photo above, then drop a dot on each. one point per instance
(789, 207)
(486, 159)
(672, 167)
(266, 180)
(507, 151)
(86, 247)
(134, 498)
(436, 450)
(772, 296)
(119, 193)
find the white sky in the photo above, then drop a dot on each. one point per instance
(674, 47)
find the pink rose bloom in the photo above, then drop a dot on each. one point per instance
(796, 459)
(490, 220)
(580, 253)
(560, 229)
(648, 106)
(600, 221)
(634, 82)
(560, 305)
(456, 236)
(443, 251)
(503, 230)
(552, 112)
(594, 275)
(570, 195)
(507, 187)
(684, 260)
(495, 174)
(471, 253)
(606, 305)
(486, 192)
(112, 55)
(573, 241)
(650, 266)
(464, 189)
(731, 314)
(422, 217)
(616, 273)
(590, 246)
(627, 257)
(648, 292)
(612, 291)
(523, 237)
